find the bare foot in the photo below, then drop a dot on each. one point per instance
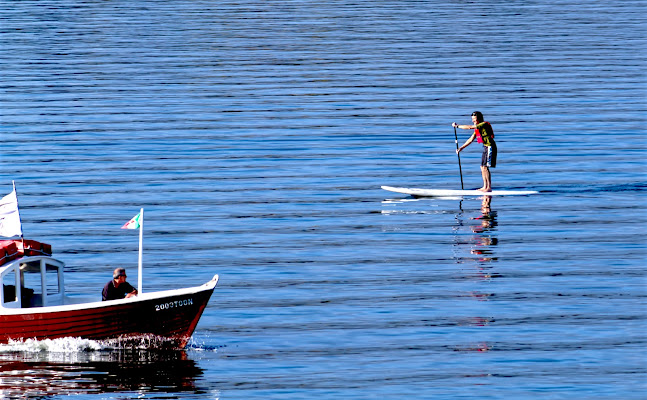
(484, 189)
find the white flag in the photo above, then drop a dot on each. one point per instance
(9, 216)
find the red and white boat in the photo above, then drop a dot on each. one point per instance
(33, 304)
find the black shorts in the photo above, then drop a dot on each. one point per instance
(488, 159)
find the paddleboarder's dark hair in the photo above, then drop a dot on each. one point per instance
(478, 115)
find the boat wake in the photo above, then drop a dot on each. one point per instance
(71, 345)
(143, 342)
(62, 345)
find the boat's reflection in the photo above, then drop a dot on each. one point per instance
(44, 374)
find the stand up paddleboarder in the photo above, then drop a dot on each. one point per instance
(485, 134)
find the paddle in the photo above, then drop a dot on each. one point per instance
(459, 158)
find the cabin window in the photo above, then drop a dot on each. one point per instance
(9, 287)
(31, 279)
(51, 273)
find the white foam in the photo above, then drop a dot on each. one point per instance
(62, 345)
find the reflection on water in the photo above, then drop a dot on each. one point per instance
(482, 244)
(25, 374)
(484, 240)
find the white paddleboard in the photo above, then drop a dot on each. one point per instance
(453, 193)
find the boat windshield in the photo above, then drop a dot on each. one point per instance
(34, 282)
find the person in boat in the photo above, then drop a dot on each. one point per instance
(118, 288)
(484, 133)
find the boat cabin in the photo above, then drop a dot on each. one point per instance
(30, 277)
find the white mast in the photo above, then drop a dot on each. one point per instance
(141, 241)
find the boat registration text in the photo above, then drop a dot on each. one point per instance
(173, 304)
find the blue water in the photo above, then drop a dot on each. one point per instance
(256, 136)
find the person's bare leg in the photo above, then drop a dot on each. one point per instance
(482, 188)
(487, 180)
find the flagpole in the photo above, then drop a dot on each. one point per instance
(138, 222)
(141, 240)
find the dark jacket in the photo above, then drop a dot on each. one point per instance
(110, 292)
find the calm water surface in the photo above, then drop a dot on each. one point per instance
(256, 136)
